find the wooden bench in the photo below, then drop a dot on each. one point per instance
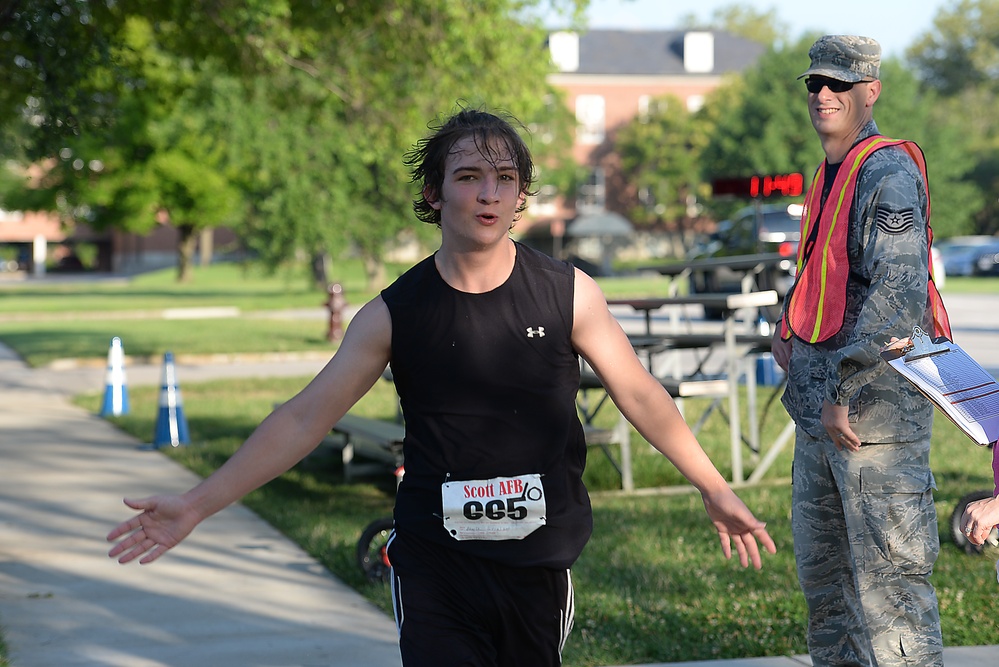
(377, 441)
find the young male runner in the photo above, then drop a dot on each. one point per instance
(483, 339)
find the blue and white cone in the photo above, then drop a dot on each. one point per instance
(171, 424)
(115, 387)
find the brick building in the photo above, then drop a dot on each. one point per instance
(611, 77)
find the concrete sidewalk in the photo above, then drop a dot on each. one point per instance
(237, 594)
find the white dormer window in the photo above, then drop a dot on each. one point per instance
(564, 48)
(698, 52)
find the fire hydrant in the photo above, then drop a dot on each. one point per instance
(335, 303)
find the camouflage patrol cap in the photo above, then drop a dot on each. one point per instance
(845, 58)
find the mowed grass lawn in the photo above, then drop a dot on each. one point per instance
(46, 322)
(652, 585)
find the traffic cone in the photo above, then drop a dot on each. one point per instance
(115, 389)
(171, 424)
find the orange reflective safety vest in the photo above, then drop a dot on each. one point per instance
(817, 304)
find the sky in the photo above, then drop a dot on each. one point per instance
(894, 23)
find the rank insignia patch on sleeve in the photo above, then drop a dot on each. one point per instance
(894, 222)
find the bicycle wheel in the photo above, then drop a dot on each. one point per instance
(956, 534)
(372, 550)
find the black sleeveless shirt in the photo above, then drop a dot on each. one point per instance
(487, 385)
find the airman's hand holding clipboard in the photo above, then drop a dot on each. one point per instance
(952, 380)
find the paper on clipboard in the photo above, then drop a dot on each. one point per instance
(957, 384)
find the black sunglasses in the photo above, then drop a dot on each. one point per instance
(815, 84)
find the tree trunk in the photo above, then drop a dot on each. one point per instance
(374, 271)
(187, 243)
(206, 246)
(322, 266)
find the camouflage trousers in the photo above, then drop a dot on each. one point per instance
(865, 540)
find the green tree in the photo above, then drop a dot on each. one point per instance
(909, 110)
(962, 50)
(744, 21)
(50, 49)
(347, 88)
(959, 60)
(292, 164)
(761, 125)
(151, 165)
(359, 93)
(660, 154)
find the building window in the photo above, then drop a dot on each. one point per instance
(564, 48)
(541, 128)
(698, 52)
(649, 106)
(544, 203)
(591, 119)
(647, 198)
(694, 103)
(592, 195)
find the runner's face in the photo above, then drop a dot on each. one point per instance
(480, 195)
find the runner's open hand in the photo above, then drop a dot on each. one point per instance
(162, 523)
(735, 523)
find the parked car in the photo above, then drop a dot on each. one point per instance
(753, 230)
(769, 229)
(987, 262)
(961, 254)
(939, 270)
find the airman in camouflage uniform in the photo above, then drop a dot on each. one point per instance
(863, 519)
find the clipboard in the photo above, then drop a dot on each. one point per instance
(954, 382)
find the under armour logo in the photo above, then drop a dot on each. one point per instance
(539, 332)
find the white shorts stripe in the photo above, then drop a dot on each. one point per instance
(396, 589)
(569, 613)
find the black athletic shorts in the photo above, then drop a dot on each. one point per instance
(452, 609)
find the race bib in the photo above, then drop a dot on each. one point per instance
(503, 508)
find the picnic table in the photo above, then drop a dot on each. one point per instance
(382, 441)
(750, 266)
(589, 405)
(757, 272)
(736, 346)
(729, 304)
(379, 443)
